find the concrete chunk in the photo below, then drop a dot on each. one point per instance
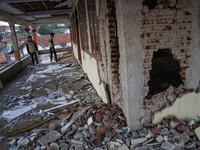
(197, 132)
(51, 136)
(168, 146)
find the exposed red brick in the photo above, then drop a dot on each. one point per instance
(111, 27)
(189, 38)
(182, 129)
(147, 47)
(148, 126)
(111, 21)
(174, 123)
(156, 131)
(98, 143)
(100, 132)
(113, 47)
(184, 68)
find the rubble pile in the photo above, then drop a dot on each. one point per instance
(95, 127)
(103, 127)
(71, 115)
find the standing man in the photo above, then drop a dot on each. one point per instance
(52, 48)
(32, 48)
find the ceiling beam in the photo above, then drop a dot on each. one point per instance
(50, 12)
(50, 22)
(15, 1)
(50, 19)
(16, 19)
(65, 3)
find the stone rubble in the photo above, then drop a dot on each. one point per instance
(99, 127)
(102, 135)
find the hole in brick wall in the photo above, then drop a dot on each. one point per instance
(165, 72)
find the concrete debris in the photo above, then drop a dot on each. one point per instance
(54, 146)
(168, 146)
(13, 142)
(25, 142)
(74, 117)
(89, 121)
(41, 92)
(51, 136)
(197, 132)
(160, 138)
(90, 124)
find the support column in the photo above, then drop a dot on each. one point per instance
(35, 36)
(14, 40)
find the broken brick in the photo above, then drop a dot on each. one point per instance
(100, 132)
(148, 126)
(98, 143)
(156, 131)
(183, 129)
(174, 123)
(186, 138)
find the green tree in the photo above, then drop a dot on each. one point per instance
(45, 30)
(22, 31)
(54, 26)
(1, 37)
(21, 28)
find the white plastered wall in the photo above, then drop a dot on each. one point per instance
(90, 67)
(193, 72)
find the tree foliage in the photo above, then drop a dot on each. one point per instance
(21, 28)
(44, 30)
(22, 31)
(1, 37)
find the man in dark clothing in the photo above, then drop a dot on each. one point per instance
(32, 49)
(52, 48)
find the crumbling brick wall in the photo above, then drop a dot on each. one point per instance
(167, 26)
(144, 27)
(109, 66)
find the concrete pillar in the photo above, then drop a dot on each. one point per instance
(14, 40)
(35, 36)
(131, 61)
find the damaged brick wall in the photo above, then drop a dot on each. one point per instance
(114, 53)
(109, 66)
(165, 26)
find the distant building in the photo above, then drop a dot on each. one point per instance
(6, 47)
(60, 41)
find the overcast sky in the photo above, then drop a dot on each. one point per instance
(2, 23)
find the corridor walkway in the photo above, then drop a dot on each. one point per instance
(42, 87)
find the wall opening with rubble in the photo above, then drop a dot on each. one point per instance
(164, 73)
(168, 25)
(130, 33)
(145, 29)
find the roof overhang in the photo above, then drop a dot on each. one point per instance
(35, 12)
